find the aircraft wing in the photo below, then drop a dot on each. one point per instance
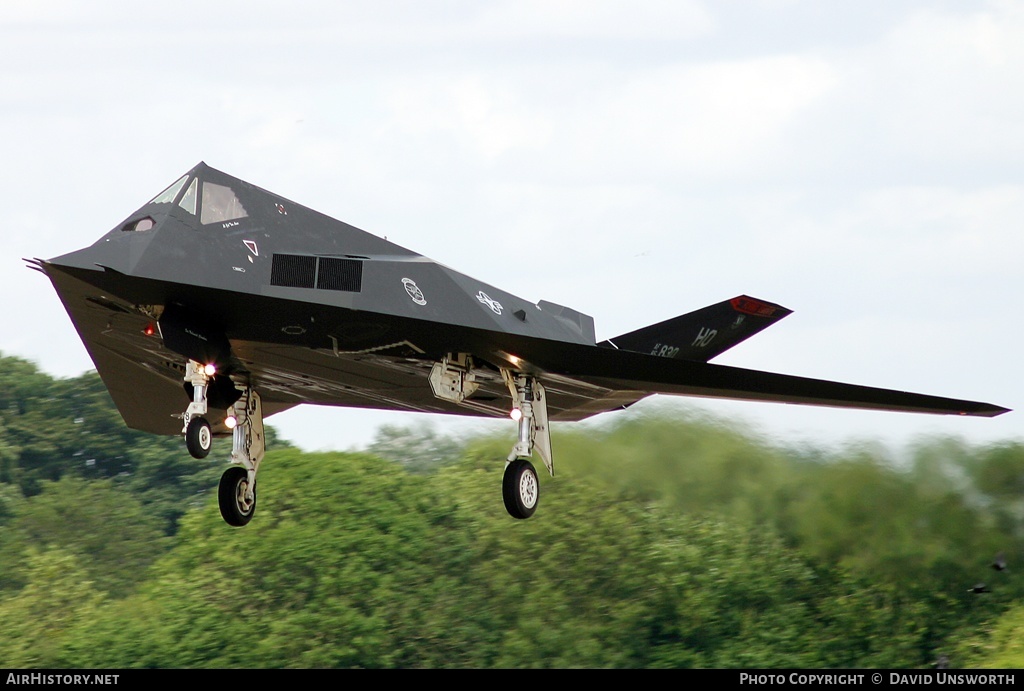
(628, 377)
(144, 378)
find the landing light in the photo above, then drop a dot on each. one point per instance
(230, 421)
(516, 414)
(210, 369)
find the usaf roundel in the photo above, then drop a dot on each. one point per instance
(489, 301)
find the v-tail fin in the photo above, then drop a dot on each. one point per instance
(704, 334)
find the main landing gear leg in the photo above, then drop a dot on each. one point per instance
(198, 437)
(520, 486)
(237, 491)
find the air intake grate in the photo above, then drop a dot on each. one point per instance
(293, 271)
(339, 274)
(325, 273)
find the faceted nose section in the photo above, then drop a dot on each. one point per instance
(119, 251)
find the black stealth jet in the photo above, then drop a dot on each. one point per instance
(218, 303)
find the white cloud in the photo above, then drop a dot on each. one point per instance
(486, 119)
(717, 118)
(938, 93)
(651, 19)
(711, 118)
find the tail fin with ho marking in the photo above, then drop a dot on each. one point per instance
(704, 334)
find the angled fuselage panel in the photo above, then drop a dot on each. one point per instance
(217, 261)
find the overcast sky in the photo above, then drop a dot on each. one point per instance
(859, 163)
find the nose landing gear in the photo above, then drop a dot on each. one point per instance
(198, 437)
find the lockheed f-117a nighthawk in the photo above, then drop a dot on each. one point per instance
(218, 303)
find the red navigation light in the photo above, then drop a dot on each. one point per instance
(751, 306)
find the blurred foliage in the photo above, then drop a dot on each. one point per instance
(420, 449)
(34, 622)
(354, 562)
(854, 507)
(114, 537)
(998, 645)
(53, 428)
(672, 540)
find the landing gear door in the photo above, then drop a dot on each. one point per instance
(542, 433)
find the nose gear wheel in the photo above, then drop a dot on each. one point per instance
(198, 437)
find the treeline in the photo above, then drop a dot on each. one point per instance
(55, 428)
(673, 541)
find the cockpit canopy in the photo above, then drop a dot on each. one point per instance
(211, 202)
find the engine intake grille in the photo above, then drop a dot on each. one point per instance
(325, 273)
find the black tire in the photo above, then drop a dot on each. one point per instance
(231, 495)
(520, 488)
(198, 437)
